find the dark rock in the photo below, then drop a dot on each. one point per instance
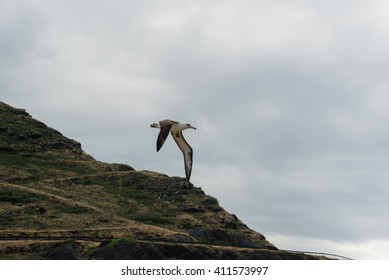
(135, 250)
(129, 250)
(65, 251)
(17, 111)
(222, 237)
(242, 241)
(63, 144)
(182, 238)
(29, 134)
(123, 167)
(193, 209)
(230, 224)
(208, 235)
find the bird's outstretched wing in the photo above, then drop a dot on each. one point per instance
(187, 152)
(163, 133)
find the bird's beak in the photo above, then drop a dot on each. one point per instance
(192, 127)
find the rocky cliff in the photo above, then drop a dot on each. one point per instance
(57, 202)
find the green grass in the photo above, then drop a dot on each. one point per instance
(16, 196)
(117, 241)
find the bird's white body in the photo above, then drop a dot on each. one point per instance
(176, 126)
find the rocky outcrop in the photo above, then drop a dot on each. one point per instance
(140, 250)
(53, 191)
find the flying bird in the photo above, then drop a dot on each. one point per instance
(176, 129)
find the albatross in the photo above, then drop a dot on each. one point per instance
(176, 129)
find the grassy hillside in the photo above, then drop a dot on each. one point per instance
(51, 192)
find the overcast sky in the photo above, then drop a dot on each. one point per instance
(289, 99)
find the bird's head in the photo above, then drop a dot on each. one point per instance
(189, 126)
